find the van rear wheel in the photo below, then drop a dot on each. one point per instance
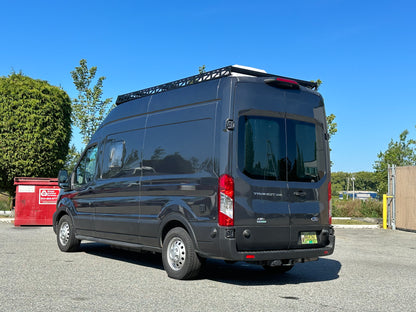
(178, 254)
(66, 235)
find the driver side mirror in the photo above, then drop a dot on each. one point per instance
(63, 179)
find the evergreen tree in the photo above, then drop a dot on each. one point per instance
(35, 129)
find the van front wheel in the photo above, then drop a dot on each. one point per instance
(66, 236)
(178, 254)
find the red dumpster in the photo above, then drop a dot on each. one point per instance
(35, 200)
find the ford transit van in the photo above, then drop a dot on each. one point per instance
(230, 164)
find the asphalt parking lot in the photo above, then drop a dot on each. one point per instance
(371, 270)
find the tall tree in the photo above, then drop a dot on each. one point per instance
(89, 110)
(332, 125)
(202, 69)
(35, 129)
(399, 153)
(365, 181)
(71, 158)
(339, 182)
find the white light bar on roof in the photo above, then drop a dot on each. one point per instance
(248, 68)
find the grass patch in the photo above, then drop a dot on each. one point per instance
(4, 201)
(357, 208)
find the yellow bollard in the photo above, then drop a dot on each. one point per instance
(385, 210)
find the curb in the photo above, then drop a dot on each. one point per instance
(377, 223)
(356, 226)
(7, 220)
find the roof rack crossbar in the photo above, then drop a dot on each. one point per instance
(211, 75)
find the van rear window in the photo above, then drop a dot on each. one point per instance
(281, 149)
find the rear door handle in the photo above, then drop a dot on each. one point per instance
(299, 193)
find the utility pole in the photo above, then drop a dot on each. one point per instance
(353, 189)
(348, 186)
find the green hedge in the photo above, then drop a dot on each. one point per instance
(35, 129)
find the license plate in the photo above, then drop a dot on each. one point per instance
(308, 238)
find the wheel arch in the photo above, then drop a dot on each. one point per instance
(59, 215)
(174, 220)
(64, 207)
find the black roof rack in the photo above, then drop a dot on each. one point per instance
(211, 75)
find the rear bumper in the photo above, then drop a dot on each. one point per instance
(228, 251)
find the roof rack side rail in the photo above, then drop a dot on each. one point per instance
(211, 75)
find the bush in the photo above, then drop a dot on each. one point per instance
(4, 205)
(345, 208)
(372, 209)
(357, 208)
(35, 129)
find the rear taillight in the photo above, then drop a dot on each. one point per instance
(329, 202)
(226, 200)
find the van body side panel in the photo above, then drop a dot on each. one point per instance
(118, 118)
(184, 97)
(224, 137)
(117, 209)
(82, 196)
(82, 212)
(178, 150)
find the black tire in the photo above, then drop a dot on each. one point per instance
(280, 269)
(179, 257)
(66, 236)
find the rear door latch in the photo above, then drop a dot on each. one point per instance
(229, 125)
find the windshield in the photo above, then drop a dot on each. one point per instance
(281, 149)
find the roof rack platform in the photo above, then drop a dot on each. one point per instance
(211, 75)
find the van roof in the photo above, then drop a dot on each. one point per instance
(233, 71)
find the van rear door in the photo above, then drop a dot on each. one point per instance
(307, 182)
(262, 214)
(281, 179)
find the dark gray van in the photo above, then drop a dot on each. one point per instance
(231, 164)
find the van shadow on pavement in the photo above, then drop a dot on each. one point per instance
(245, 274)
(240, 273)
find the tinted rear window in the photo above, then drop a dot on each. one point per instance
(281, 149)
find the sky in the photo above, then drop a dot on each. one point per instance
(363, 51)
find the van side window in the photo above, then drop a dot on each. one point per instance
(122, 156)
(180, 148)
(85, 171)
(113, 158)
